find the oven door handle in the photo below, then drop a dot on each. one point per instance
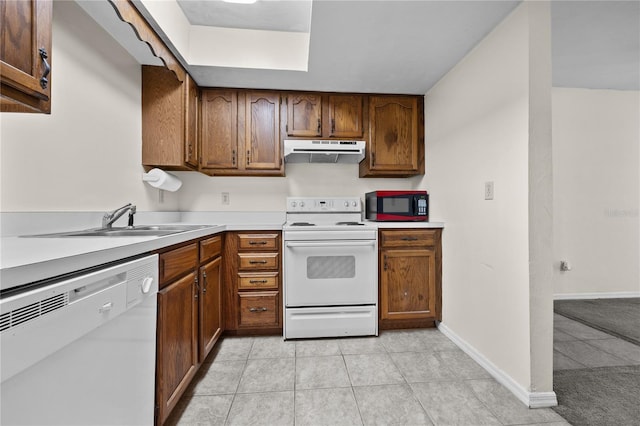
(371, 243)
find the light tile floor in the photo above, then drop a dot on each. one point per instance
(409, 377)
(576, 345)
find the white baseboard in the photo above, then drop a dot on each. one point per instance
(530, 399)
(610, 295)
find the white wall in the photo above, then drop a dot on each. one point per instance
(86, 155)
(477, 130)
(201, 193)
(596, 150)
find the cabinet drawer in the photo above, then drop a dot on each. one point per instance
(259, 309)
(408, 238)
(257, 281)
(258, 261)
(258, 242)
(177, 262)
(210, 248)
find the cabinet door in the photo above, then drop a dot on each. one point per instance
(210, 306)
(25, 55)
(262, 131)
(219, 129)
(345, 116)
(407, 286)
(166, 115)
(304, 114)
(191, 127)
(177, 351)
(393, 129)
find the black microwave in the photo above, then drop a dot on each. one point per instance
(397, 205)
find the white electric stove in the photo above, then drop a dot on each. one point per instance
(330, 269)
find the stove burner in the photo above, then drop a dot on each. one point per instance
(303, 224)
(350, 223)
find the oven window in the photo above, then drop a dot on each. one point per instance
(328, 267)
(395, 205)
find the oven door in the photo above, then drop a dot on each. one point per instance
(325, 273)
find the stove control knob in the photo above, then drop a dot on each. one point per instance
(354, 204)
(346, 204)
(301, 203)
(293, 204)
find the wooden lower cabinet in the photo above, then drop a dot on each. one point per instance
(177, 351)
(410, 277)
(210, 306)
(189, 316)
(259, 309)
(253, 290)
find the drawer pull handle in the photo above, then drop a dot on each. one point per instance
(257, 309)
(261, 262)
(257, 281)
(106, 307)
(409, 238)
(259, 243)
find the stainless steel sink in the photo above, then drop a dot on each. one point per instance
(134, 231)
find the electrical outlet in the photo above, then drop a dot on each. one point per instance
(565, 266)
(225, 198)
(488, 190)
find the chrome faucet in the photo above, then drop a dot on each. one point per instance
(110, 217)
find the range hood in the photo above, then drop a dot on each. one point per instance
(323, 151)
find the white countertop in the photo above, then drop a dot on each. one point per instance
(27, 260)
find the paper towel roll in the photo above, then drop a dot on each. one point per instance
(162, 180)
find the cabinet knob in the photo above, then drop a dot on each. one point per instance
(260, 262)
(263, 309)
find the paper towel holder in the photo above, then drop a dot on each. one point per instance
(162, 180)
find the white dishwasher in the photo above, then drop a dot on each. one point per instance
(81, 350)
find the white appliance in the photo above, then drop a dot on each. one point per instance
(330, 269)
(323, 151)
(81, 350)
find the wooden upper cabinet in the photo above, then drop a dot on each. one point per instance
(396, 137)
(240, 133)
(191, 118)
(262, 131)
(345, 116)
(25, 56)
(169, 120)
(315, 115)
(219, 129)
(304, 114)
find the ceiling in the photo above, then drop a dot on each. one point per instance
(263, 15)
(395, 46)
